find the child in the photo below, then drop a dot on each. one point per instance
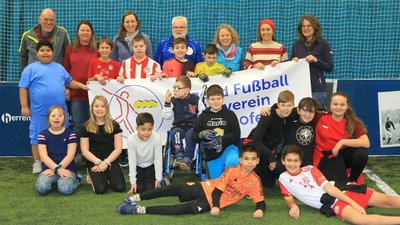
(103, 68)
(179, 65)
(101, 143)
(218, 131)
(139, 65)
(209, 67)
(57, 147)
(43, 85)
(145, 156)
(234, 184)
(308, 185)
(184, 108)
(267, 135)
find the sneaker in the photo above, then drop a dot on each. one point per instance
(37, 167)
(127, 209)
(132, 199)
(123, 161)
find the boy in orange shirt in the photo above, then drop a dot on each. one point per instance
(233, 185)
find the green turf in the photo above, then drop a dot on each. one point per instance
(19, 203)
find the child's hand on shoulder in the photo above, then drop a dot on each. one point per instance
(215, 211)
(265, 111)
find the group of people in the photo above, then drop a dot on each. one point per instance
(334, 142)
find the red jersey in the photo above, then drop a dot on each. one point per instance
(131, 69)
(306, 186)
(329, 132)
(108, 70)
(175, 68)
(234, 186)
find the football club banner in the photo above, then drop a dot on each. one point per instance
(245, 92)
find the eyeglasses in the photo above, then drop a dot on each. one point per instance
(178, 27)
(176, 88)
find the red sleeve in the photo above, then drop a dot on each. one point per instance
(121, 70)
(318, 176)
(67, 64)
(284, 191)
(359, 130)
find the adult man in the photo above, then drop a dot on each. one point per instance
(45, 30)
(179, 29)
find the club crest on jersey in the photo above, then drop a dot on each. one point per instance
(110, 67)
(192, 108)
(146, 69)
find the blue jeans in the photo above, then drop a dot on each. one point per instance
(80, 114)
(187, 134)
(230, 157)
(320, 97)
(66, 186)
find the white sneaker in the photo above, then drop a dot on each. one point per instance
(37, 167)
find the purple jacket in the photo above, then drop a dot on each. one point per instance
(323, 52)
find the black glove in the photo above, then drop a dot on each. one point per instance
(227, 72)
(203, 77)
(207, 135)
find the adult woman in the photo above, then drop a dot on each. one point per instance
(317, 52)
(128, 29)
(341, 135)
(229, 54)
(266, 51)
(76, 62)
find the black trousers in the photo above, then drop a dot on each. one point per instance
(113, 175)
(193, 196)
(146, 178)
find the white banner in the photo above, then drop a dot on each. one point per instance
(245, 93)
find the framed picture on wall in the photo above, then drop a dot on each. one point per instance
(389, 118)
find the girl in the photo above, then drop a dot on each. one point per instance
(101, 143)
(57, 147)
(341, 135)
(266, 51)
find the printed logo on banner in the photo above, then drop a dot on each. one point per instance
(126, 106)
(8, 118)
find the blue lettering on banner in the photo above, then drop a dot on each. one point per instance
(259, 85)
(249, 119)
(259, 101)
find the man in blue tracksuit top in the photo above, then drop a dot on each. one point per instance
(179, 29)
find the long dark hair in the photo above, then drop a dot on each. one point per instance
(314, 23)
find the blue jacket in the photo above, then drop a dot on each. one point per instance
(323, 52)
(164, 51)
(236, 63)
(122, 51)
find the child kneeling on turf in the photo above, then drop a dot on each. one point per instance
(234, 184)
(183, 107)
(57, 147)
(218, 132)
(310, 186)
(145, 155)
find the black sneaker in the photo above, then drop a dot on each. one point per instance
(123, 161)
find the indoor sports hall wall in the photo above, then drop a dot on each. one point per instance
(364, 34)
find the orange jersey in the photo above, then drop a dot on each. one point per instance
(234, 186)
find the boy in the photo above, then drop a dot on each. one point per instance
(43, 85)
(139, 65)
(268, 134)
(234, 184)
(218, 132)
(184, 108)
(179, 65)
(103, 68)
(308, 185)
(145, 155)
(209, 67)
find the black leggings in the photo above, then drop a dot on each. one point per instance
(193, 196)
(146, 178)
(112, 175)
(356, 159)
